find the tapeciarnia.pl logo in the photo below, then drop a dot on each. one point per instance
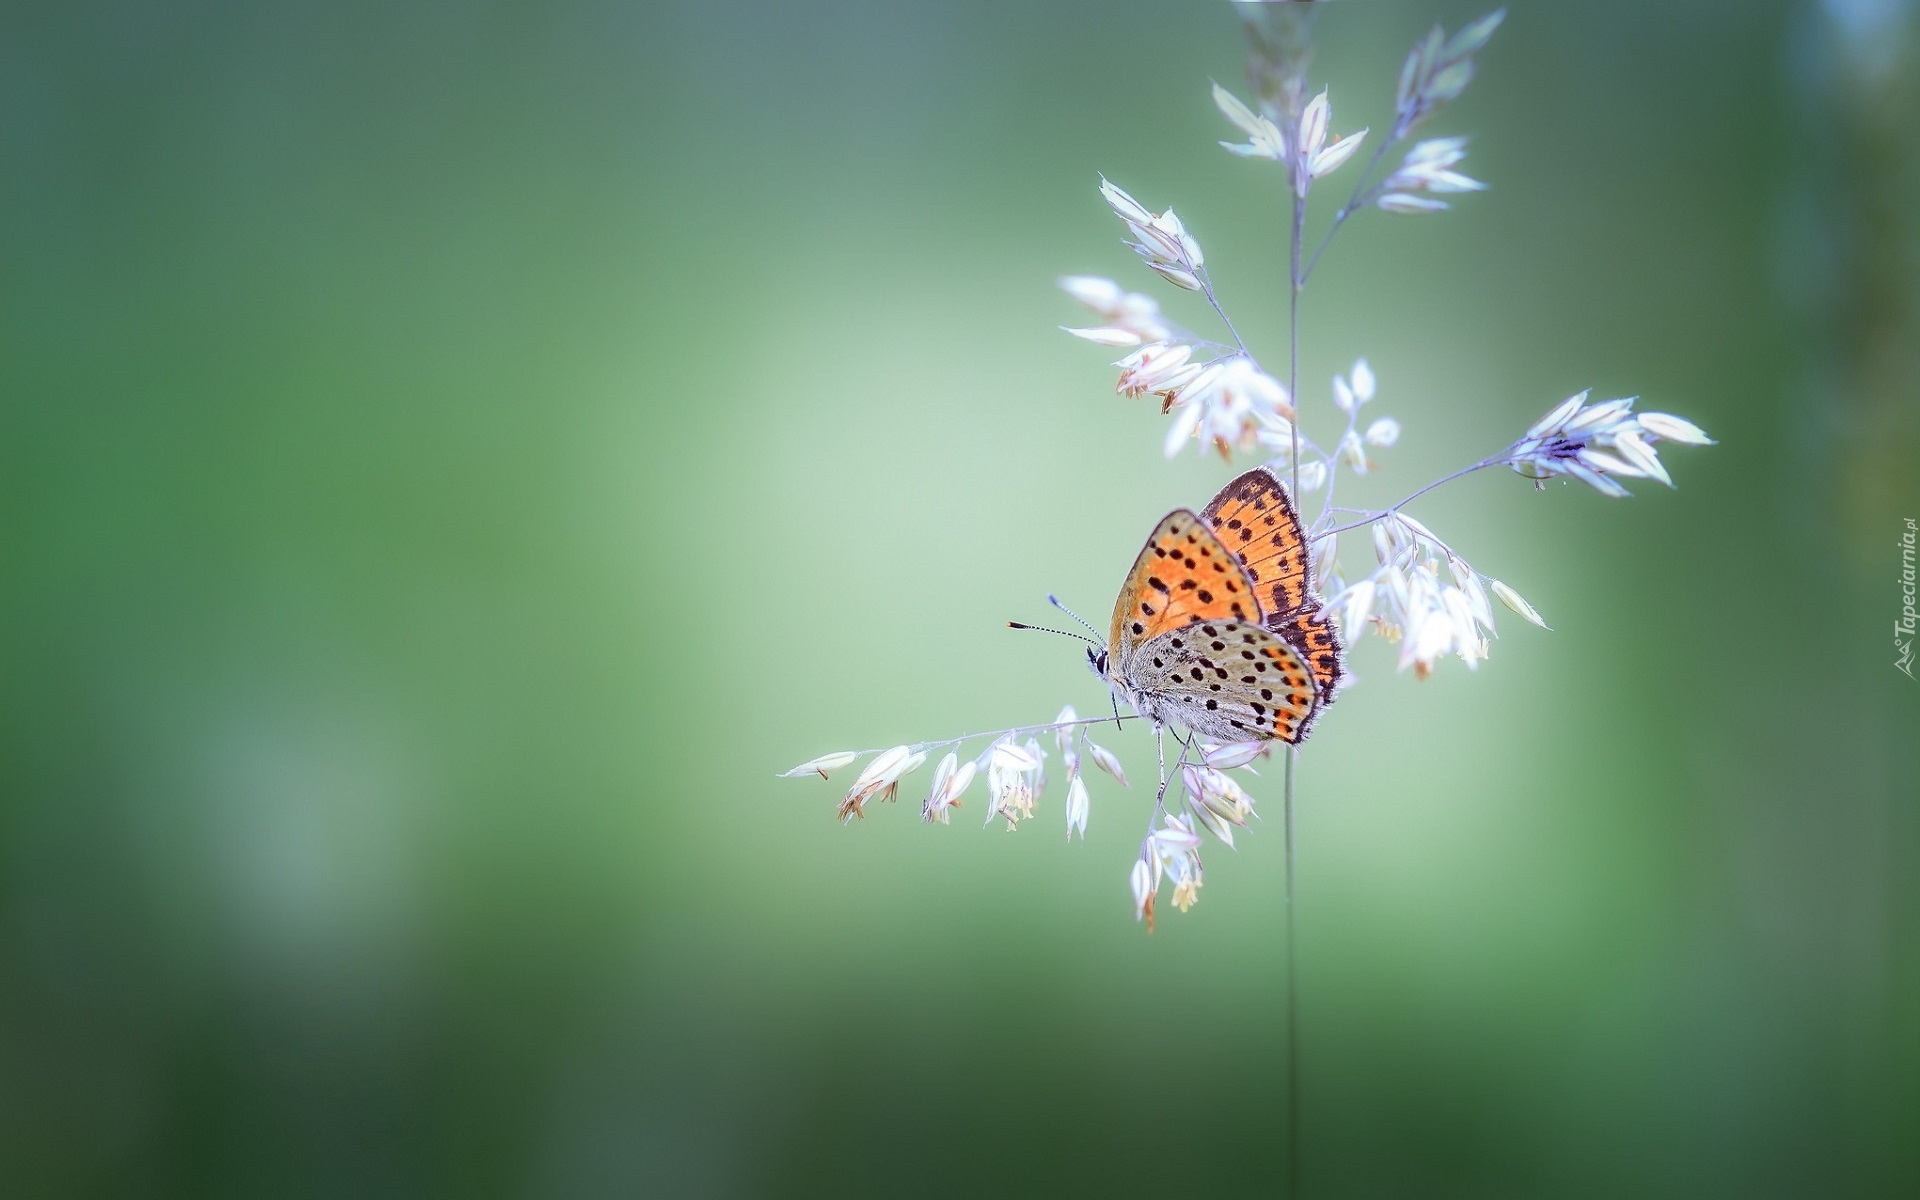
(1903, 628)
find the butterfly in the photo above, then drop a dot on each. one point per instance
(1217, 628)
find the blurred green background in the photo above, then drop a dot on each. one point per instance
(455, 454)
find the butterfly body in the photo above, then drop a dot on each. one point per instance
(1216, 629)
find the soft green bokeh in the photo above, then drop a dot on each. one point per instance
(454, 455)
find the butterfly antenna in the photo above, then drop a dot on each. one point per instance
(1062, 632)
(1055, 601)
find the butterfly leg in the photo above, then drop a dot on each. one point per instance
(1159, 797)
(1186, 745)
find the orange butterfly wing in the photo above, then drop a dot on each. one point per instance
(1312, 635)
(1256, 519)
(1183, 576)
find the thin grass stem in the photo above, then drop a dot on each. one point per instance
(1292, 1014)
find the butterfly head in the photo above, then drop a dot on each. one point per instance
(1097, 659)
